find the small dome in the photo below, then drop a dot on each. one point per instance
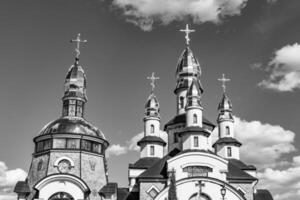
(225, 104)
(152, 107)
(75, 82)
(152, 102)
(72, 125)
(194, 89)
(193, 94)
(188, 63)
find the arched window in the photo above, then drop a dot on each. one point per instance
(227, 130)
(181, 102)
(229, 152)
(151, 150)
(196, 141)
(195, 120)
(151, 128)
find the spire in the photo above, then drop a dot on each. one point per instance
(152, 104)
(226, 146)
(75, 87)
(193, 94)
(225, 106)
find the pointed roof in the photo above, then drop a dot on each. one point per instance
(75, 82)
(188, 63)
(225, 103)
(152, 102)
(194, 89)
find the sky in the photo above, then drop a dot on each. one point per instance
(256, 43)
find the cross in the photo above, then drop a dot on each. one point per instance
(78, 41)
(187, 32)
(223, 80)
(152, 78)
(200, 185)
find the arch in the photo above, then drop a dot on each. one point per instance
(195, 119)
(61, 195)
(203, 196)
(152, 128)
(62, 183)
(227, 130)
(181, 102)
(186, 187)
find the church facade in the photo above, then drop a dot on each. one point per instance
(69, 161)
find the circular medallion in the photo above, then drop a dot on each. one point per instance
(64, 166)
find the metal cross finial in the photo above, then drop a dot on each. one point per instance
(223, 80)
(153, 79)
(78, 41)
(187, 32)
(200, 185)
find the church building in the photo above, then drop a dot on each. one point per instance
(69, 163)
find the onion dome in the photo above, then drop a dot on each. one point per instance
(187, 68)
(225, 104)
(188, 64)
(225, 109)
(152, 106)
(71, 125)
(194, 94)
(75, 83)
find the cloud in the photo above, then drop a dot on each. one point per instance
(116, 150)
(8, 179)
(144, 13)
(284, 70)
(263, 144)
(131, 145)
(285, 183)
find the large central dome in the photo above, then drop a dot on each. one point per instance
(71, 125)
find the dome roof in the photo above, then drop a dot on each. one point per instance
(72, 125)
(194, 89)
(188, 63)
(225, 104)
(75, 82)
(152, 102)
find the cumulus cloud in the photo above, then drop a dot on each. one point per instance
(8, 179)
(284, 69)
(144, 13)
(131, 145)
(285, 183)
(263, 144)
(116, 150)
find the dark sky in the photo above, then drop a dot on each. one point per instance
(35, 55)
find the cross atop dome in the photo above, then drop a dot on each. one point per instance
(78, 41)
(187, 32)
(223, 80)
(152, 78)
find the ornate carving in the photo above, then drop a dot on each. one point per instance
(92, 165)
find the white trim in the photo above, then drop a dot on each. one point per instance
(197, 164)
(153, 187)
(198, 153)
(64, 158)
(58, 177)
(241, 189)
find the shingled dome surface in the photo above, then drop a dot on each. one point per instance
(72, 125)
